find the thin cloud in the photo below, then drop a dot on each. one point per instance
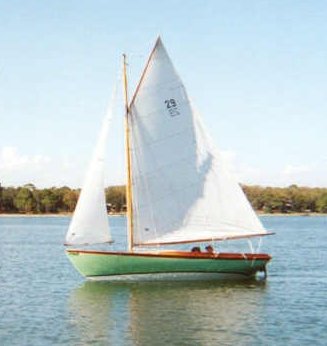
(17, 168)
(11, 159)
(244, 174)
(292, 170)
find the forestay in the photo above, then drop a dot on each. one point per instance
(89, 224)
(180, 187)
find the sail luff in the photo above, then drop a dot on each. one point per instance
(158, 41)
(129, 199)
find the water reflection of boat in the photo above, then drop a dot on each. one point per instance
(167, 313)
(100, 313)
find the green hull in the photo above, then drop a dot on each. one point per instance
(111, 265)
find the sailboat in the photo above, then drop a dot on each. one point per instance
(179, 193)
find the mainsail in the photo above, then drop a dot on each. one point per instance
(180, 187)
(89, 224)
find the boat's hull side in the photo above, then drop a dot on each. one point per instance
(110, 265)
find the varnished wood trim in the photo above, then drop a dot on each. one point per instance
(178, 254)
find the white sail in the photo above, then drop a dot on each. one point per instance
(89, 224)
(180, 188)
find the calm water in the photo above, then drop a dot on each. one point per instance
(43, 301)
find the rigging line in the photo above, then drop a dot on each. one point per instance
(113, 98)
(259, 245)
(250, 245)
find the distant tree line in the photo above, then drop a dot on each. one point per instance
(292, 199)
(30, 200)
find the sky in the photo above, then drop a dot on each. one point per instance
(255, 70)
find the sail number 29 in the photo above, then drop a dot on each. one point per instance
(172, 108)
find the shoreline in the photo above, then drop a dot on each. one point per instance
(123, 214)
(291, 214)
(48, 215)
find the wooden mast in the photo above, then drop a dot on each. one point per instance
(128, 162)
